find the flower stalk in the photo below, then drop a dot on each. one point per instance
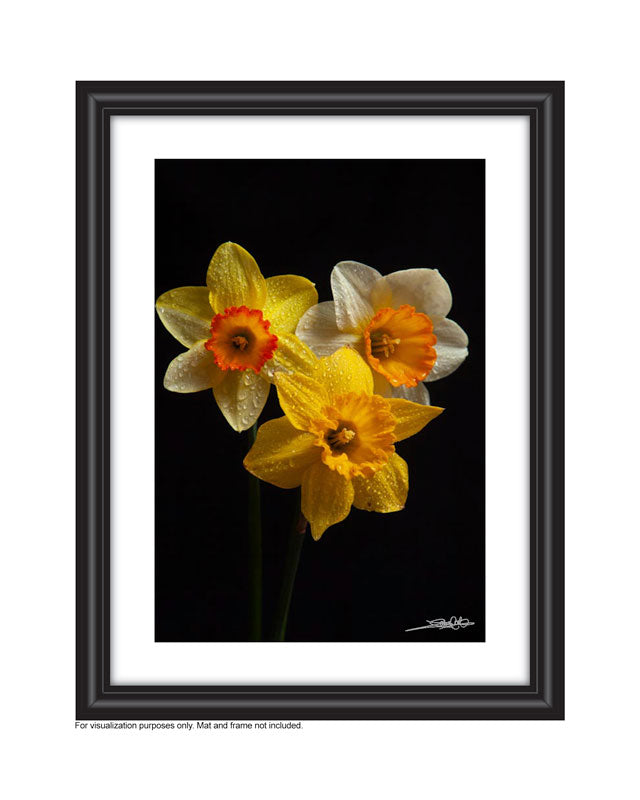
(294, 548)
(255, 551)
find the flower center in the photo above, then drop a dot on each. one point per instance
(340, 438)
(240, 339)
(399, 344)
(382, 345)
(241, 342)
(356, 434)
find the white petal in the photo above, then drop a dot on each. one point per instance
(193, 371)
(417, 394)
(186, 313)
(381, 295)
(352, 284)
(451, 348)
(318, 329)
(241, 397)
(424, 289)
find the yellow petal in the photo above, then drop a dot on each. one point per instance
(344, 371)
(193, 371)
(234, 279)
(411, 417)
(386, 490)
(241, 397)
(381, 385)
(291, 356)
(302, 399)
(186, 313)
(288, 297)
(326, 498)
(281, 454)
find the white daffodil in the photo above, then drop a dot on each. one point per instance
(398, 323)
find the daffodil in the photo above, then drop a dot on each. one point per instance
(337, 440)
(398, 323)
(239, 329)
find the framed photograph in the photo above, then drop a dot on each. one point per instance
(320, 400)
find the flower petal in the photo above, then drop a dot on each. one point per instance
(193, 371)
(241, 397)
(387, 488)
(417, 394)
(326, 498)
(352, 284)
(451, 349)
(288, 297)
(318, 328)
(344, 371)
(411, 417)
(234, 279)
(186, 313)
(302, 399)
(381, 295)
(381, 385)
(281, 454)
(424, 289)
(291, 355)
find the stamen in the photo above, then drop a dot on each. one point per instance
(340, 438)
(382, 345)
(240, 342)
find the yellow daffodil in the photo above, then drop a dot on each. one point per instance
(396, 322)
(239, 329)
(337, 440)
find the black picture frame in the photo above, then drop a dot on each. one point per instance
(543, 698)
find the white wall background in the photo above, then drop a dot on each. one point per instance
(45, 48)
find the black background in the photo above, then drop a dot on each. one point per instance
(373, 575)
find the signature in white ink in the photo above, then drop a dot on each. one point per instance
(455, 623)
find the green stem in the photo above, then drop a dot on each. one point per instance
(294, 548)
(255, 551)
